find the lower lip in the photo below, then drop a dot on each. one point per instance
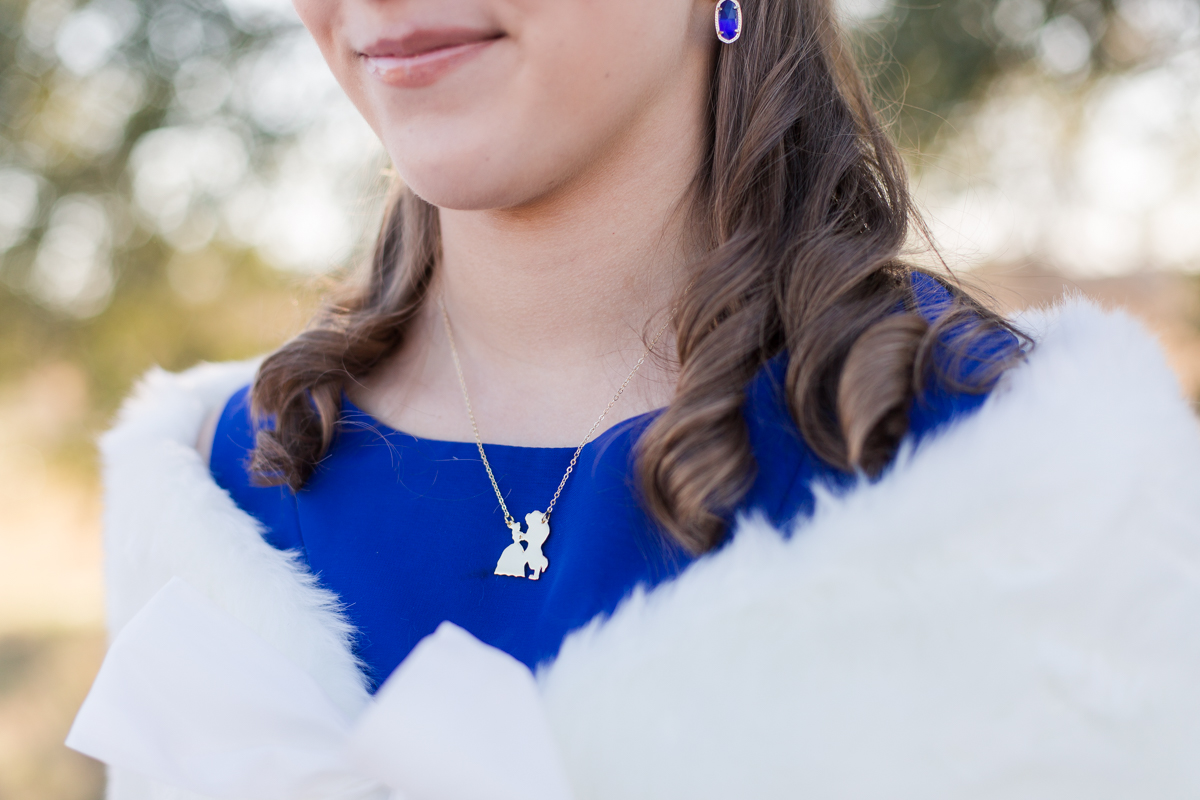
(414, 72)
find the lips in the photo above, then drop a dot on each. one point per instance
(423, 56)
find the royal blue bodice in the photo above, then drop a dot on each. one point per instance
(407, 531)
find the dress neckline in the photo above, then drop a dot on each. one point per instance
(363, 420)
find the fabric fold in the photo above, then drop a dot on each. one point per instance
(460, 719)
(189, 696)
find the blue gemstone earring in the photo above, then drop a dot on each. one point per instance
(729, 21)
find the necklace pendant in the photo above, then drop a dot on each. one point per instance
(526, 548)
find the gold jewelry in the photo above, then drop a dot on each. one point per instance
(516, 558)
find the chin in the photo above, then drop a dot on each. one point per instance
(460, 187)
(477, 179)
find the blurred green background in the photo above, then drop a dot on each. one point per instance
(179, 177)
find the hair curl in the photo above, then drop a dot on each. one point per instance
(802, 207)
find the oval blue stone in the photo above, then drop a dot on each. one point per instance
(729, 20)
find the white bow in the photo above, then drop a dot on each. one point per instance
(189, 696)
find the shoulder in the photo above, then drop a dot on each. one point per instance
(969, 351)
(966, 348)
(233, 445)
(169, 409)
(233, 434)
(984, 571)
(165, 517)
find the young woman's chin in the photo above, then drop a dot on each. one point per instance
(468, 184)
(484, 158)
(469, 173)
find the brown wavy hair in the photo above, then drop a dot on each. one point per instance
(802, 211)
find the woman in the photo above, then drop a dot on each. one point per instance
(641, 278)
(574, 193)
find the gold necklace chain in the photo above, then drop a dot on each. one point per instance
(508, 518)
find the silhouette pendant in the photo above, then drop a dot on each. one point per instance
(526, 548)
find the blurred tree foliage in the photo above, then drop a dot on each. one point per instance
(106, 102)
(86, 274)
(930, 60)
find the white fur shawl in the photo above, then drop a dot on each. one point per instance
(1013, 611)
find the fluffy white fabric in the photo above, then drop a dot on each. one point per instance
(165, 517)
(1013, 611)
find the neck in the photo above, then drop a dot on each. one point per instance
(552, 303)
(575, 275)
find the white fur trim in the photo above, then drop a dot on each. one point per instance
(1013, 611)
(164, 517)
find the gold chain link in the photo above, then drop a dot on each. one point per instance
(508, 518)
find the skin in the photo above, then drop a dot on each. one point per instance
(559, 155)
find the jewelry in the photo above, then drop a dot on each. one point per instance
(729, 21)
(516, 558)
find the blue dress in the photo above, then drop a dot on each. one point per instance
(407, 531)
